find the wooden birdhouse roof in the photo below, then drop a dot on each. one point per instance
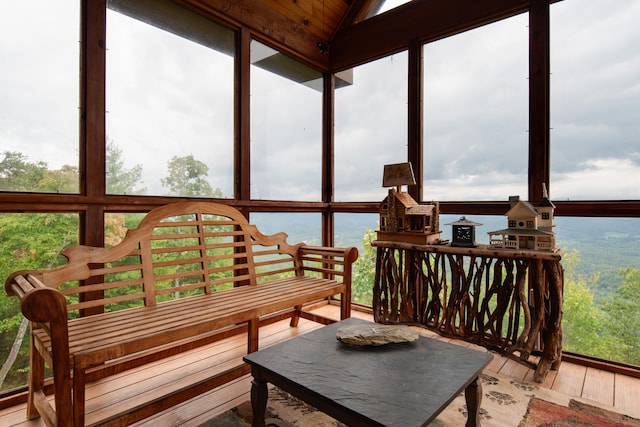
(465, 221)
(546, 203)
(406, 199)
(420, 210)
(411, 206)
(521, 209)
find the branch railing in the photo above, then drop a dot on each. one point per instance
(506, 300)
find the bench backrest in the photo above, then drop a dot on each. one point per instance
(178, 250)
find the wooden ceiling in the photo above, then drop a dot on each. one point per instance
(320, 17)
(351, 30)
(300, 26)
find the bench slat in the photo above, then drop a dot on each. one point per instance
(98, 339)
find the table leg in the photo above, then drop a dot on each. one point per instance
(259, 394)
(473, 396)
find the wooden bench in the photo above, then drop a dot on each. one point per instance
(192, 273)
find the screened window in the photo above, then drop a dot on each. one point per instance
(39, 89)
(476, 113)
(300, 227)
(370, 128)
(286, 127)
(359, 230)
(601, 286)
(170, 125)
(595, 67)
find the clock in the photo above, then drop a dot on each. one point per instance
(464, 232)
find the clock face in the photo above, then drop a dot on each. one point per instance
(463, 233)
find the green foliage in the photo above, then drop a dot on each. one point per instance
(18, 174)
(364, 271)
(64, 180)
(28, 241)
(623, 322)
(582, 322)
(35, 240)
(610, 330)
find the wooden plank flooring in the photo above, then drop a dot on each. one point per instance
(132, 387)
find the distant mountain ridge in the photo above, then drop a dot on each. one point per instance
(605, 245)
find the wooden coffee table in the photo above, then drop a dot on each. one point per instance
(404, 384)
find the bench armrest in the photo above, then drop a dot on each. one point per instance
(38, 302)
(328, 260)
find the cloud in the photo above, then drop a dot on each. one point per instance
(476, 113)
(490, 185)
(602, 178)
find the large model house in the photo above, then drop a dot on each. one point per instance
(402, 218)
(529, 227)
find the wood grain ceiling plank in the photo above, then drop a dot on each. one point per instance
(321, 17)
(289, 36)
(302, 12)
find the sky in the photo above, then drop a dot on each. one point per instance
(167, 96)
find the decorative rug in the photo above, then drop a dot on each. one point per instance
(505, 403)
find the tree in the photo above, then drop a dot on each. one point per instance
(64, 180)
(119, 179)
(18, 174)
(187, 177)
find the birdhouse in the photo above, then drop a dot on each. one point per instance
(464, 232)
(402, 219)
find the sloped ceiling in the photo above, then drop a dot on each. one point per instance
(337, 34)
(323, 18)
(320, 17)
(304, 27)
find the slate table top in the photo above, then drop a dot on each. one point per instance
(397, 384)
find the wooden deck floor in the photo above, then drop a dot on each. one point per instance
(132, 387)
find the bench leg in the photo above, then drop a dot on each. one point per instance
(252, 335)
(345, 306)
(78, 396)
(296, 316)
(36, 379)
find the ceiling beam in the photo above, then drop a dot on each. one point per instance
(358, 10)
(418, 20)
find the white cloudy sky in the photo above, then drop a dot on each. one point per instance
(169, 97)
